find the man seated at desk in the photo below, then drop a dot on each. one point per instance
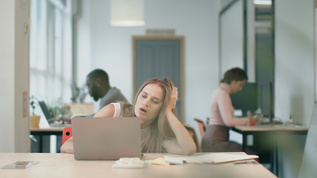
(97, 82)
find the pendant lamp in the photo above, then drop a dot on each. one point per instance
(127, 13)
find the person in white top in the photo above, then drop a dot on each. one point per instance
(161, 131)
(216, 138)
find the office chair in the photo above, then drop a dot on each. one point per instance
(67, 133)
(201, 125)
(192, 132)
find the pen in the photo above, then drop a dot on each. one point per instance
(192, 162)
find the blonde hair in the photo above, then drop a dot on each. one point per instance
(160, 127)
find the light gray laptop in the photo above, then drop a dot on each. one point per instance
(106, 138)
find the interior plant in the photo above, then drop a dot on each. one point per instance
(58, 108)
(75, 92)
(34, 119)
(32, 104)
(78, 93)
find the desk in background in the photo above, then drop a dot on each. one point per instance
(272, 132)
(64, 165)
(47, 131)
(58, 131)
(42, 145)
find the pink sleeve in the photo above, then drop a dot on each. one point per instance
(226, 111)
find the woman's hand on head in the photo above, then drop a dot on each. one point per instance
(173, 99)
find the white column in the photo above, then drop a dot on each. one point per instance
(14, 76)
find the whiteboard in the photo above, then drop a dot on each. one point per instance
(309, 162)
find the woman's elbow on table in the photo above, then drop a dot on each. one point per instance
(191, 150)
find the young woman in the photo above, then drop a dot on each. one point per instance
(216, 137)
(154, 104)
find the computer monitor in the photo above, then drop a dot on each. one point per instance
(266, 100)
(246, 99)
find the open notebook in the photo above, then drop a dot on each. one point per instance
(211, 158)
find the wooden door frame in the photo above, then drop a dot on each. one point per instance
(182, 76)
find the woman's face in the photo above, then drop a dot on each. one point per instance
(236, 86)
(148, 104)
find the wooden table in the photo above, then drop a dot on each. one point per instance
(64, 165)
(271, 131)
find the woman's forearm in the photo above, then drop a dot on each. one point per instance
(184, 143)
(68, 147)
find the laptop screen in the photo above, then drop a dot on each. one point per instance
(45, 110)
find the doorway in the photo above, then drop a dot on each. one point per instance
(159, 57)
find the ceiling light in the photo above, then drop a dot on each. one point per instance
(127, 13)
(262, 2)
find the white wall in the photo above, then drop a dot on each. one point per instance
(14, 76)
(82, 41)
(111, 47)
(231, 52)
(294, 76)
(7, 64)
(294, 61)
